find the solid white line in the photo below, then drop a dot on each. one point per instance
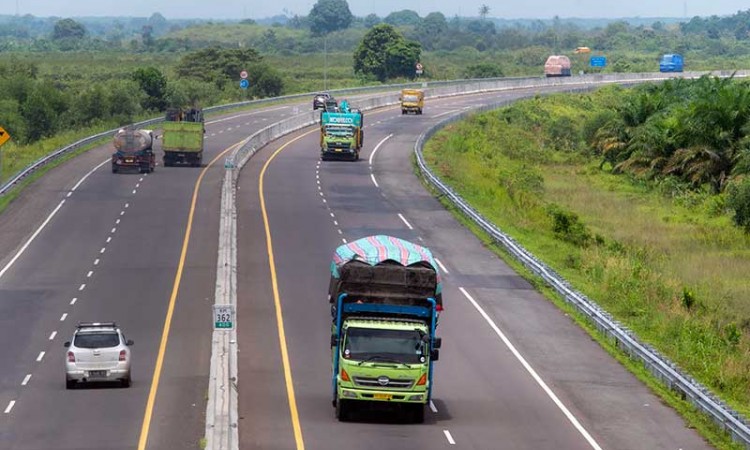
(442, 267)
(63, 317)
(374, 181)
(404, 220)
(449, 437)
(246, 114)
(52, 336)
(533, 373)
(73, 302)
(83, 286)
(87, 175)
(433, 408)
(445, 113)
(26, 380)
(31, 239)
(88, 275)
(39, 358)
(10, 406)
(372, 155)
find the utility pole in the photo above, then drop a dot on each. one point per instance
(325, 65)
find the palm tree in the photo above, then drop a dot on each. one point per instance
(483, 11)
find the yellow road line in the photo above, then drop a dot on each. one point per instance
(170, 309)
(277, 300)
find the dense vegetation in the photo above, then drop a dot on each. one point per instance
(641, 233)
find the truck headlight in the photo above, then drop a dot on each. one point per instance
(416, 398)
(348, 394)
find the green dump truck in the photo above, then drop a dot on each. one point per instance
(341, 132)
(385, 296)
(182, 141)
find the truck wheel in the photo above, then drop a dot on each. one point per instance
(343, 410)
(114, 169)
(420, 111)
(417, 413)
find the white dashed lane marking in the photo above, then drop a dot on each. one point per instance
(83, 286)
(10, 406)
(442, 267)
(449, 437)
(73, 302)
(26, 380)
(63, 317)
(52, 336)
(400, 216)
(40, 357)
(433, 408)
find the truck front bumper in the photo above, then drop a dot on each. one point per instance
(382, 396)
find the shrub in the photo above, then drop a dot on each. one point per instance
(738, 199)
(568, 227)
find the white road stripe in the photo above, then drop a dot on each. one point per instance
(104, 249)
(374, 181)
(40, 357)
(442, 267)
(127, 205)
(449, 437)
(336, 222)
(445, 113)
(533, 373)
(88, 275)
(31, 239)
(96, 262)
(117, 222)
(26, 380)
(63, 317)
(122, 213)
(134, 191)
(83, 286)
(113, 230)
(73, 302)
(343, 240)
(88, 174)
(245, 115)
(52, 336)
(433, 408)
(109, 239)
(405, 221)
(375, 150)
(10, 406)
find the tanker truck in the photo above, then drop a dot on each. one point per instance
(133, 150)
(182, 141)
(385, 295)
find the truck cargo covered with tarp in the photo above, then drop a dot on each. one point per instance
(385, 268)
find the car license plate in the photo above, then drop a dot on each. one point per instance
(382, 396)
(97, 373)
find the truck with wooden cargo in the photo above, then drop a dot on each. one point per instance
(385, 295)
(133, 150)
(341, 134)
(412, 100)
(182, 140)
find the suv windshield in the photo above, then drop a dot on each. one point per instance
(97, 340)
(401, 345)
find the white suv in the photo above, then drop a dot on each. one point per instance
(98, 352)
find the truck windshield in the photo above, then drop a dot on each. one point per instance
(339, 131)
(411, 98)
(404, 346)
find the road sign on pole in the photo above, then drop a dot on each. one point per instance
(244, 84)
(4, 136)
(243, 74)
(223, 317)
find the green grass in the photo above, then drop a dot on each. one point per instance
(674, 270)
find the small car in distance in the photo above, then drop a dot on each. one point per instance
(98, 352)
(319, 100)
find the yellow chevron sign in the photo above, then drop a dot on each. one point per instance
(4, 136)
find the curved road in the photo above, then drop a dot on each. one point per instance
(117, 247)
(514, 372)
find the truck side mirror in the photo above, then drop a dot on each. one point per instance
(437, 343)
(334, 340)
(435, 354)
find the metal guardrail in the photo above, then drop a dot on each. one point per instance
(661, 367)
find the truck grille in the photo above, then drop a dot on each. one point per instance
(344, 145)
(383, 382)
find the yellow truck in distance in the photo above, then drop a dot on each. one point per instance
(412, 100)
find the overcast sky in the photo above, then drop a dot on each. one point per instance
(239, 9)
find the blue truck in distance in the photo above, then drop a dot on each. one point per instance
(671, 63)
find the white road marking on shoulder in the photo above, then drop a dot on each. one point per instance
(442, 267)
(375, 150)
(26, 380)
(40, 357)
(31, 239)
(445, 113)
(88, 174)
(449, 437)
(10, 406)
(374, 181)
(532, 372)
(405, 221)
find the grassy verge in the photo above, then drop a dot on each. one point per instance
(671, 269)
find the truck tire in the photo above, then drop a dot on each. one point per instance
(417, 413)
(114, 169)
(420, 111)
(343, 410)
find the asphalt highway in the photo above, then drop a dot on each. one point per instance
(514, 371)
(83, 244)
